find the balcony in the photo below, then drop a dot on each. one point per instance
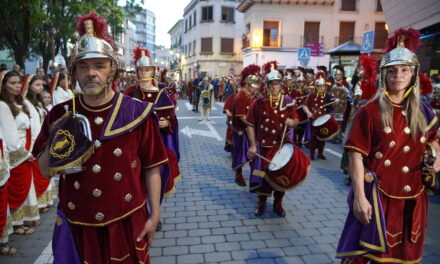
(246, 41)
(310, 39)
(342, 39)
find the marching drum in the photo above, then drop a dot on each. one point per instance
(289, 167)
(325, 127)
(341, 104)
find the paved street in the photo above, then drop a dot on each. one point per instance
(210, 219)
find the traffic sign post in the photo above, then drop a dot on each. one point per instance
(367, 42)
(304, 54)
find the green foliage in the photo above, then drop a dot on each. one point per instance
(48, 26)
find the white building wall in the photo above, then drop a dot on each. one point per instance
(215, 64)
(292, 19)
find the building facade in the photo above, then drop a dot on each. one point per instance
(275, 30)
(212, 44)
(145, 22)
(423, 15)
(126, 44)
(163, 57)
(176, 49)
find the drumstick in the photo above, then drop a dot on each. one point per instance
(331, 103)
(263, 158)
(284, 134)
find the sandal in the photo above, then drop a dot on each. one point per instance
(4, 251)
(31, 223)
(44, 210)
(22, 230)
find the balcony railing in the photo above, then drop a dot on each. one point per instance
(310, 39)
(246, 41)
(342, 39)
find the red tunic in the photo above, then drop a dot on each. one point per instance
(300, 97)
(395, 157)
(109, 194)
(163, 108)
(316, 103)
(268, 120)
(240, 107)
(228, 106)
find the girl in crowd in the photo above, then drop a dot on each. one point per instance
(31, 90)
(59, 90)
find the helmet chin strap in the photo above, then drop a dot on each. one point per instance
(147, 79)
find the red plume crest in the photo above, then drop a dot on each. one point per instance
(411, 39)
(137, 53)
(162, 75)
(369, 65)
(248, 70)
(425, 84)
(99, 26)
(267, 66)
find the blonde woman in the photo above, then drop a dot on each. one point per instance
(388, 201)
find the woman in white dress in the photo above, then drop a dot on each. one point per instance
(15, 125)
(31, 90)
(5, 216)
(59, 89)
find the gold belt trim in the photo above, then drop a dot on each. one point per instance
(387, 260)
(121, 259)
(110, 221)
(403, 197)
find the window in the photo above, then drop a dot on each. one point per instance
(207, 13)
(270, 33)
(311, 32)
(194, 47)
(195, 18)
(380, 35)
(206, 46)
(189, 22)
(346, 32)
(184, 51)
(186, 25)
(378, 6)
(227, 14)
(189, 49)
(348, 5)
(227, 45)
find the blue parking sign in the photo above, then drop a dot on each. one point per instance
(304, 54)
(367, 42)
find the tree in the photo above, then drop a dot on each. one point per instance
(47, 27)
(58, 28)
(18, 19)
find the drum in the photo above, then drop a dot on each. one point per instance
(289, 167)
(325, 127)
(339, 106)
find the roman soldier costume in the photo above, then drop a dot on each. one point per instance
(392, 156)
(170, 86)
(227, 109)
(342, 108)
(267, 117)
(243, 101)
(364, 90)
(320, 103)
(299, 96)
(103, 153)
(164, 109)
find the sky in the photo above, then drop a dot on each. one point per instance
(167, 12)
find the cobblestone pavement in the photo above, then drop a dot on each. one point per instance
(210, 219)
